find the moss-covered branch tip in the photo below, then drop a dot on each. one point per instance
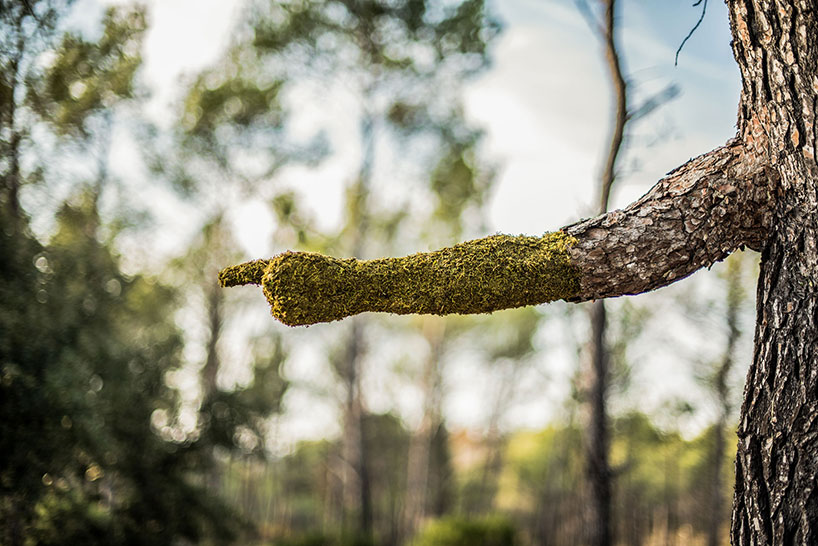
(246, 273)
(479, 276)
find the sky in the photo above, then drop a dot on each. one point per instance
(545, 107)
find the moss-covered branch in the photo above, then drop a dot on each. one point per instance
(695, 216)
(480, 276)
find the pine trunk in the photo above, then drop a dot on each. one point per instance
(776, 499)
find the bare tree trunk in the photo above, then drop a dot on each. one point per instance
(13, 178)
(776, 46)
(717, 500)
(357, 506)
(504, 388)
(210, 370)
(420, 447)
(598, 468)
(214, 301)
(716, 516)
(357, 493)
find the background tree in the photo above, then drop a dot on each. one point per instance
(90, 454)
(28, 29)
(399, 67)
(602, 20)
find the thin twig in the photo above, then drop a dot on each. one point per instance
(689, 34)
(620, 89)
(31, 11)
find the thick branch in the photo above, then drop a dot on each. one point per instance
(695, 216)
(497, 272)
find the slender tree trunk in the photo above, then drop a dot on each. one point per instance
(210, 370)
(357, 513)
(495, 442)
(420, 448)
(716, 516)
(776, 496)
(598, 467)
(717, 500)
(355, 477)
(13, 178)
(356, 497)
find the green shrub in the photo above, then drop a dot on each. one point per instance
(319, 539)
(458, 531)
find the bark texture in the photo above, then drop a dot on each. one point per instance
(776, 501)
(695, 216)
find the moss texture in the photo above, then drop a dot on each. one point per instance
(480, 276)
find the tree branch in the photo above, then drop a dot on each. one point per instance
(481, 276)
(620, 89)
(693, 217)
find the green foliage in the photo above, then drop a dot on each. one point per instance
(226, 414)
(81, 463)
(236, 101)
(306, 288)
(458, 531)
(383, 32)
(661, 485)
(88, 77)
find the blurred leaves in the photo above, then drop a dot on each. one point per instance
(459, 531)
(83, 78)
(76, 413)
(236, 102)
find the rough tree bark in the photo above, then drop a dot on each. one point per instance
(759, 191)
(776, 47)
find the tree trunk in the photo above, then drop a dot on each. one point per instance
(357, 498)
(357, 505)
(13, 178)
(776, 502)
(735, 296)
(420, 446)
(598, 469)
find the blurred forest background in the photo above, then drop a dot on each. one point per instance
(142, 404)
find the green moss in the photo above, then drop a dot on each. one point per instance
(480, 276)
(246, 273)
